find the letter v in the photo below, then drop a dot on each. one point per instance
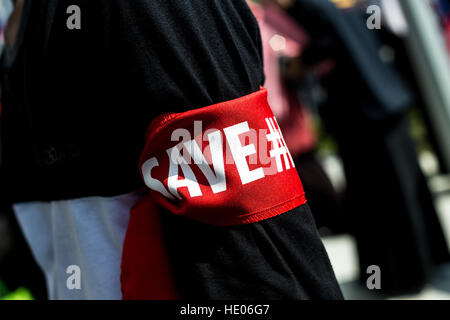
(216, 179)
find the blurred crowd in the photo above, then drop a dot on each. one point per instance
(323, 61)
(337, 87)
(325, 64)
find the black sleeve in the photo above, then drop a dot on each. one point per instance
(161, 55)
(281, 258)
(179, 55)
(87, 96)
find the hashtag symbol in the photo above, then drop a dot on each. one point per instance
(279, 148)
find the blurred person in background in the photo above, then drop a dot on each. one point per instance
(283, 44)
(389, 207)
(442, 8)
(5, 11)
(75, 125)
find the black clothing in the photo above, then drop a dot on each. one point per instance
(325, 202)
(389, 209)
(343, 36)
(76, 103)
(273, 259)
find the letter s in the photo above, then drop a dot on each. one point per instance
(151, 182)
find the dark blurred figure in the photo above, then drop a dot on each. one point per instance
(389, 208)
(17, 265)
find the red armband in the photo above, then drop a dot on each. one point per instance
(225, 164)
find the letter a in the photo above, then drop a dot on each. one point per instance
(374, 21)
(374, 281)
(74, 281)
(74, 20)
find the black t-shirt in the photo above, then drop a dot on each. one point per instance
(76, 103)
